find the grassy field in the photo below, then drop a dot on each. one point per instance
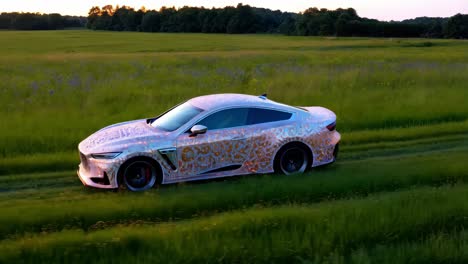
(398, 192)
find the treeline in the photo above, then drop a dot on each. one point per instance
(240, 19)
(247, 19)
(37, 21)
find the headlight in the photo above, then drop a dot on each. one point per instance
(107, 155)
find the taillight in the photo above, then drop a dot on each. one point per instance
(331, 126)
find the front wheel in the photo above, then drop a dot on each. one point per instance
(292, 160)
(139, 175)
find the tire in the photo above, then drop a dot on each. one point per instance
(293, 159)
(335, 151)
(139, 175)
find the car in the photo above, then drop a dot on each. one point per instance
(208, 137)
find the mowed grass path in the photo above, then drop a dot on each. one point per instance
(340, 213)
(397, 194)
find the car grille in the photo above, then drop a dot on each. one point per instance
(84, 161)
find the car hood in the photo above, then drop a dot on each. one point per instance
(121, 136)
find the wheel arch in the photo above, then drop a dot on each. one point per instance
(159, 176)
(290, 144)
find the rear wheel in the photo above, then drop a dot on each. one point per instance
(139, 175)
(292, 159)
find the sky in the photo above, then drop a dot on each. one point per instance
(379, 9)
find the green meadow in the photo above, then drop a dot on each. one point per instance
(397, 194)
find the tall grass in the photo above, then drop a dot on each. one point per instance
(261, 235)
(355, 144)
(444, 247)
(353, 179)
(401, 110)
(60, 97)
(80, 42)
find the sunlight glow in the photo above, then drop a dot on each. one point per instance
(383, 10)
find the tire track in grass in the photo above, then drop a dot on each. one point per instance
(260, 235)
(352, 141)
(385, 145)
(416, 150)
(348, 152)
(438, 130)
(444, 247)
(195, 200)
(13, 183)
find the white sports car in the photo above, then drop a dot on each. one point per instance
(208, 137)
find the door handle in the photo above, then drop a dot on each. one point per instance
(239, 138)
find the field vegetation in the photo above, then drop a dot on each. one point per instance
(398, 192)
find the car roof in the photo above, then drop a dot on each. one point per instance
(215, 101)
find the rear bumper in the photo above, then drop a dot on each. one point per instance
(335, 151)
(327, 151)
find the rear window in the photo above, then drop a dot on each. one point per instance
(259, 116)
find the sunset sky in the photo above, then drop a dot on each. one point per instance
(383, 10)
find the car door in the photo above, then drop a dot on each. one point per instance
(220, 151)
(268, 129)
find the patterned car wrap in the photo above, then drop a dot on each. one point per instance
(247, 149)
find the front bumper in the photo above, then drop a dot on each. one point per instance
(96, 176)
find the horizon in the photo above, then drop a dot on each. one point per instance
(370, 9)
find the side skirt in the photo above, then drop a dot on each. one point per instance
(207, 177)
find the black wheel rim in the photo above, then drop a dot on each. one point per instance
(139, 176)
(294, 160)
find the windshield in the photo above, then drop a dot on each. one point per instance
(176, 117)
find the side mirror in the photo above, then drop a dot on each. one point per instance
(198, 129)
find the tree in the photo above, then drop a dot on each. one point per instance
(222, 18)
(457, 27)
(151, 22)
(188, 19)
(341, 25)
(30, 21)
(288, 26)
(206, 18)
(247, 19)
(168, 19)
(55, 21)
(109, 9)
(93, 15)
(123, 19)
(6, 20)
(243, 21)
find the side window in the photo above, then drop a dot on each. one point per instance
(258, 116)
(226, 118)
